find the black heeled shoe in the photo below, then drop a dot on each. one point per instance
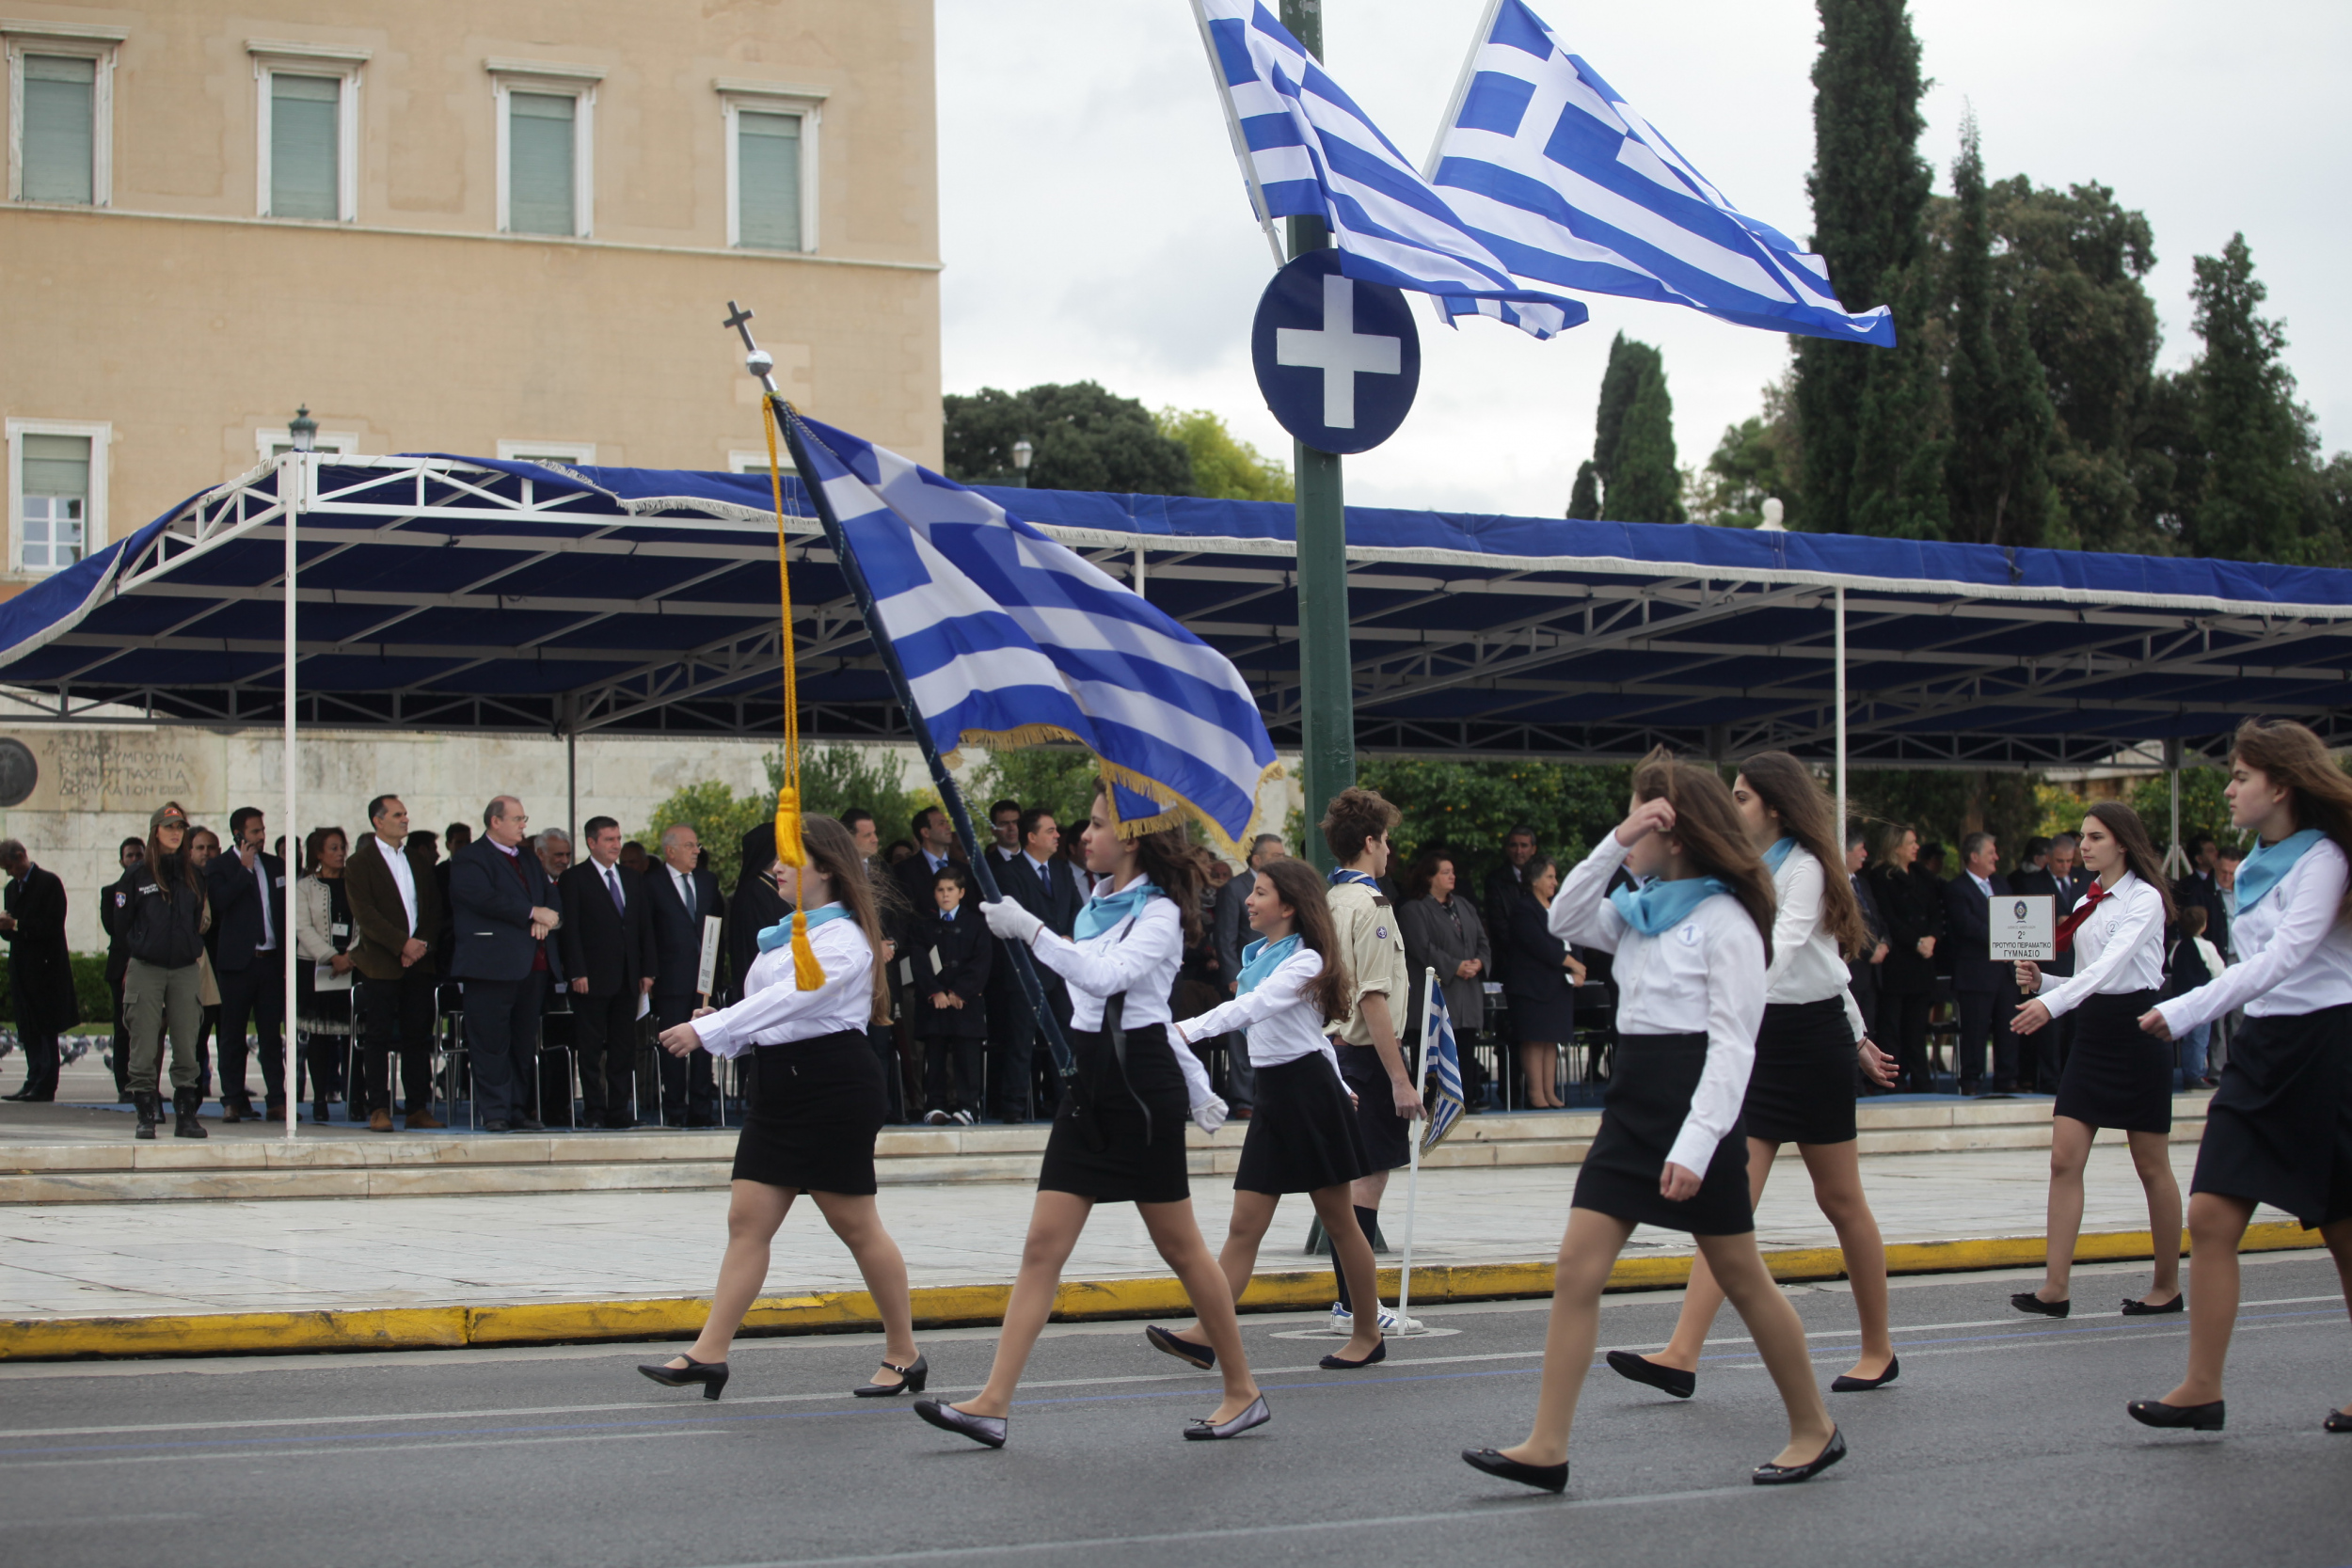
(910, 1380)
(1202, 1356)
(2141, 1309)
(1543, 1477)
(2196, 1418)
(2025, 1300)
(1342, 1364)
(1641, 1368)
(1846, 1384)
(2337, 1420)
(712, 1375)
(1202, 1430)
(1788, 1475)
(988, 1430)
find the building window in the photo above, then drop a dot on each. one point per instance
(546, 148)
(307, 151)
(57, 493)
(757, 461)
(272, 441)
(564, 453)
(61, 113)
(772, 164)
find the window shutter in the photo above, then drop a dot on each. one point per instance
(60, 128)
(540, 152)
(305, 125)
(767, 167)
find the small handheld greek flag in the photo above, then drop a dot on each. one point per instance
(1442, 1057)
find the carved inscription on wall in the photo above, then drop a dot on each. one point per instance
(125, 770)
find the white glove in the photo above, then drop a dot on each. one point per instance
(1209, 1115)
(1012, 922)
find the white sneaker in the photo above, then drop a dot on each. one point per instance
(1344, 1322)
(964, 1119)
(936, 1118)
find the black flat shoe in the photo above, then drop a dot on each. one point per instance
(1342, 1364)
(2143, 1310)
(1788, 1475)
(988, 1430)
(1845, 1383)
(1543, 1477)
(2337, 1421)
(910, 1381)
(1202, 1356)
(1202, 1430)
(1641, 1368)
(712, 1375)
(2025, 1300)
(2196, 1418)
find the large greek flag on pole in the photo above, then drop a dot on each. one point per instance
(1010, 638)
(1307, 150)
(1566, 183)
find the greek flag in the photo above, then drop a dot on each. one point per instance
(1571, 188)
(1440, 1054)
(1307, 150)
(1009, 639)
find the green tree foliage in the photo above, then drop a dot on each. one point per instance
(2203, 808)
(719, 819)
(1224, 468)
(1941, 804)
(1759, 457)
(835, 778)
(1872, 417)
(1996, 468)
(1060, 778)
(1467, 806)
(1085, 438)
(1631, 477)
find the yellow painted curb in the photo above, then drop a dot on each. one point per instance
(956, 1305)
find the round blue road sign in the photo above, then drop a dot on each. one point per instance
(1337, 359)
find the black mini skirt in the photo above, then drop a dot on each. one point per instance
(1649, 1099)
(1303, 1133)
(2117, 1074)
(1388, 1137)
(817, 1106)
(2279, 1130)
(1120, 1138)
(1802, 1090)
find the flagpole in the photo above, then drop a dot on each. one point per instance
(1461, 89)
(1412, 1179)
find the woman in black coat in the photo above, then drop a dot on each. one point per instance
(1909, 901)
(40, 966)
(951, 953)
(1540, 985)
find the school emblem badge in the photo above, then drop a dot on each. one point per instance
(1689, 935)
(1379, 933)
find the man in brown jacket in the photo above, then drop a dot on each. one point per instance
(396, 905)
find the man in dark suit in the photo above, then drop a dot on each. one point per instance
(399, 918)
(1986, 987)
(1003, 1001)
(113, 901)
(41, 967)
(1862, 970)
(2201, 890)
(2062, 880)
(504, 909)
(1230, 930)
(608, 952)
(1047, 886)
(247, 888)
(679, 898)
(1504, 885)
(934, 847)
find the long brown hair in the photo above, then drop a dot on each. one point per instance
(833, 852)
(1166, 857)
(1708, 826)
(2139, 852)
(2289, 754)
(1787, 788)
(1297, 884)
(164, 865)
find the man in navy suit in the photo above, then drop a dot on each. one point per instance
(1047, 887)
(2063, 880)
(250, 940)
(504, 909)
(681, 898)
(606, 943)
(1986, 987)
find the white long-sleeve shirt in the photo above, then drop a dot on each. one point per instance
(774, 1011)
(2295, 955)
(1806, 965)
(1282, 1021)
(1139, 957)
(2119, 948)
(1705, 974)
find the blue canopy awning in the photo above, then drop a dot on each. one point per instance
(448, 593)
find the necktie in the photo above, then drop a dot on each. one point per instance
(1045, 880)
(686, 892)
(612, 885)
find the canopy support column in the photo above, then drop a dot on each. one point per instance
(1140, 568)
(2175, 862)
(1841, 613)
(293, 485)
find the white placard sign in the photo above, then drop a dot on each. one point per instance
(706, 974)
(2024, 926)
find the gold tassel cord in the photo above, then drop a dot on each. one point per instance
(807, 975)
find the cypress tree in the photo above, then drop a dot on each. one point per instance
(1584, 500)
(2257, 440)
(1631, 477)
(1997, 468)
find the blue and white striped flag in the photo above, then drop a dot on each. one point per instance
(1009, 639)
(1568, 185)
(1307, 150)
(1444, 1058)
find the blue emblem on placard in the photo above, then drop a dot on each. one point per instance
(1337, 359)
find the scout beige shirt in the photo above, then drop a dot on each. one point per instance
(1374, 940)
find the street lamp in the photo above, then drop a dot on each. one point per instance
(303, 429)
(1021, 453)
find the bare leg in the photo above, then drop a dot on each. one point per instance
(755, 1210)
(1253, 1215)
(2338, 1239)
(2151, 1156)
(1539, 1060)
(1837, 1172)
(2215, 1225)
(1179, 1241)
(1704, 1297)
(858, 1222)
(1055, 1223)
(2070, 1150)
(1779, 1338)
(1353, 1255)
(1588, 1251)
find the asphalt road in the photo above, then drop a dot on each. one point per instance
(2005, 1441)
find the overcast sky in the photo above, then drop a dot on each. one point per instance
(1095, 226)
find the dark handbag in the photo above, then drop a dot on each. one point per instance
(1080, 1094)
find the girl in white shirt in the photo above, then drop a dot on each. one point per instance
(1692, 950)
(817, 1101)
(1120, 1134)
(1304, 1136)
(2115, 1076)
(2279, 1130)
(1802, 1090)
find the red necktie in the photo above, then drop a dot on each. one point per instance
(2082, 911)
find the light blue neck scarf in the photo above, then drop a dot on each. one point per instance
(781, 932)
(1260, 958)
(1100, 914)
(1661, 904)
(2265, 864)
(1778, 852)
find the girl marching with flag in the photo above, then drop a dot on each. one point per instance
(1120, 1137)
(1691, 948)
(2278, 1131)
(1304, 1136)
(2115, 1076)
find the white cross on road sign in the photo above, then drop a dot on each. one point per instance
(1339, 352)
